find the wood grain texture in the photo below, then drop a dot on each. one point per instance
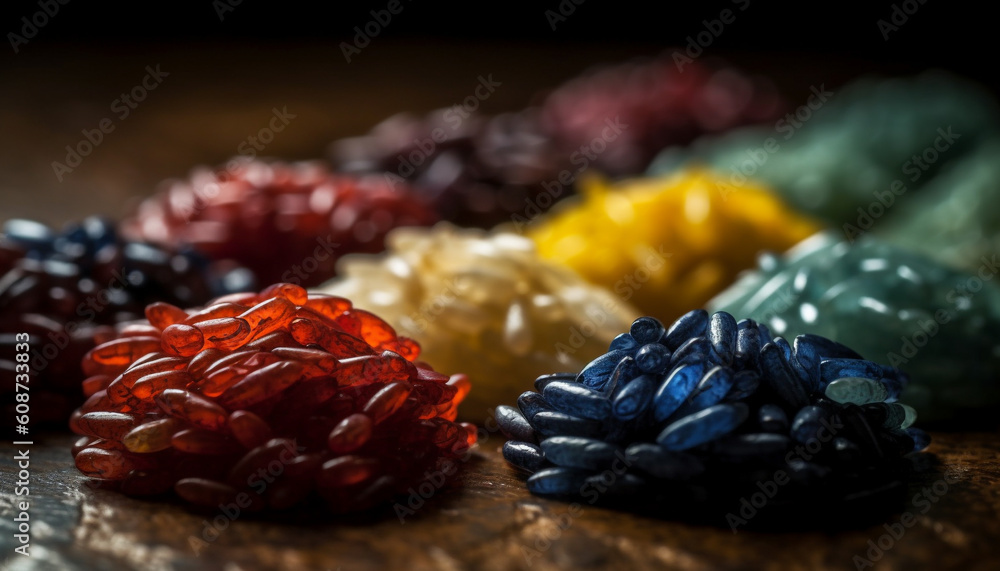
(487, 520)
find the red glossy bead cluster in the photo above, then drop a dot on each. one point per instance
(264, 399)
(286, 222)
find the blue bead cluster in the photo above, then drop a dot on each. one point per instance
(709, 402)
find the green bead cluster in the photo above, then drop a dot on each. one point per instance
(891, 305)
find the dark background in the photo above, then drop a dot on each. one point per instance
(227, 75)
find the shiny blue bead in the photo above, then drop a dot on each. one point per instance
(578, 452)
(705, 426)
(712, 388)
(746, 324)
(634, 398)
(786, 349)
(551, 423)
(807, 356)
(808, 423)
(765, 334)
(577, 400)
(745, 383)
(691, 324)
(827, 349)
(747, 348)
(647, 330)
(531, 403)
(595, 375)
(543, 380)
(676, 389)
(722, 335)
(700, 345)
(653, 358)
(772, 418)
(832, 369)
(558, 481)
(664, 464)
(623, 342)
(513, 424)
(624, 371)
(525, 456)
(779, 377)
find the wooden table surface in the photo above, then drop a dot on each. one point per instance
(487, 520)
(214, 98)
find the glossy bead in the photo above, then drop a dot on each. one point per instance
(704, 426)
(488, 304)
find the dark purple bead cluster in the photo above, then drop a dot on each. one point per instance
(65, 288)
(475, 170)
(707, 408)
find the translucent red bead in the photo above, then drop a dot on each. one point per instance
(322, 398)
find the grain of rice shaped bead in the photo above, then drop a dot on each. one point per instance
(199, 400)
(486, 304)
(706, 406)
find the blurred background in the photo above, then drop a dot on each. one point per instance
(231, 63)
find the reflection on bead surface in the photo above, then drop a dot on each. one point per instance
(455, 290)
(667, 244)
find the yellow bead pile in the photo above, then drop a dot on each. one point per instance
(667, 244)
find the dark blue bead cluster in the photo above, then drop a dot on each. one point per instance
(62, 287)
(707, 405)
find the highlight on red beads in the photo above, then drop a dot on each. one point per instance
(287, 222)
(323, 398)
